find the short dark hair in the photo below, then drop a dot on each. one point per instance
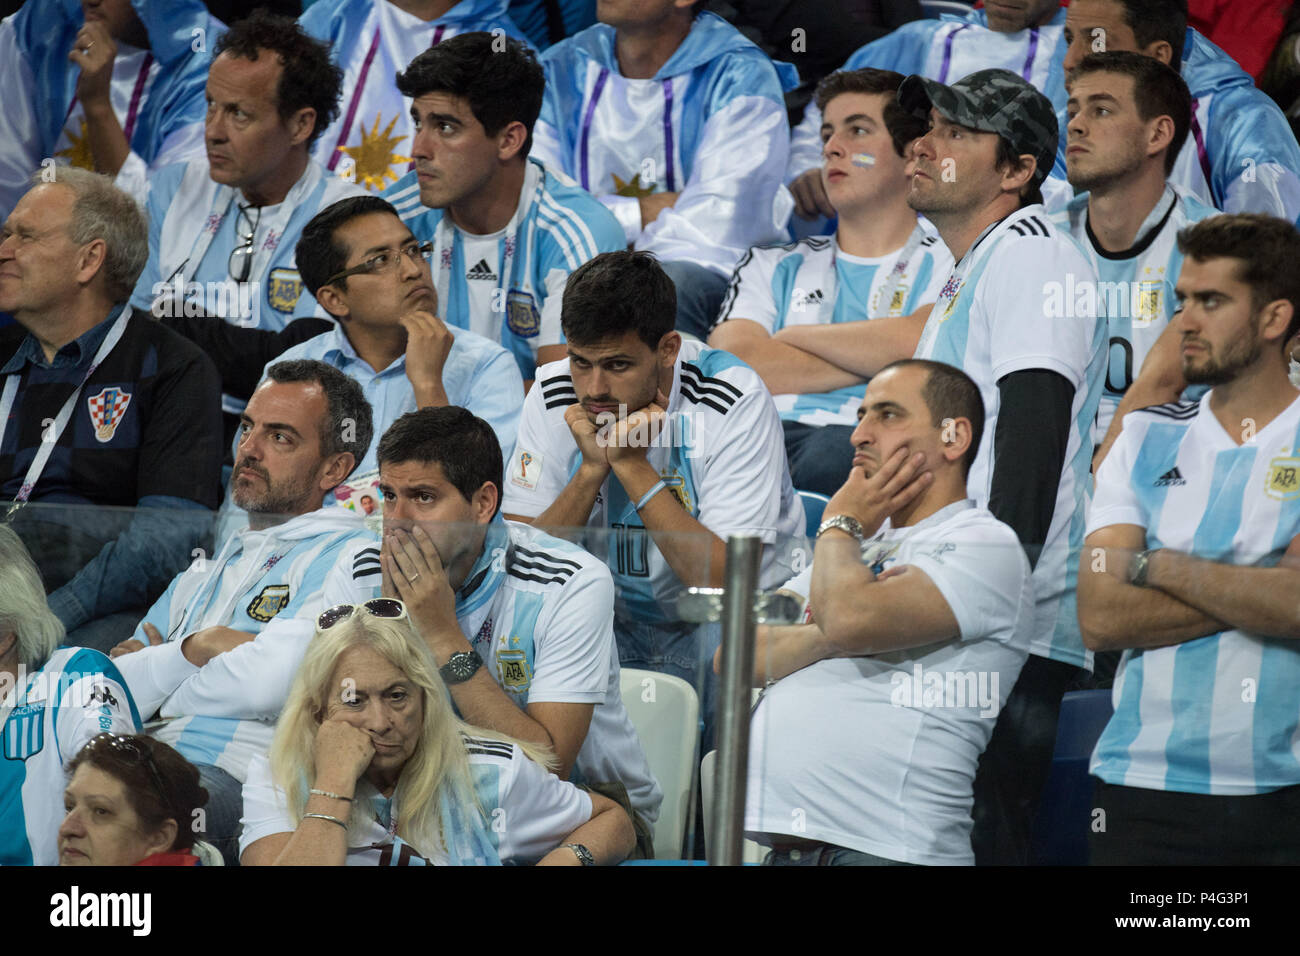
(950, 393)
(464, 445)
(500, 85)
(349, 412)
(1008, 155)
(1268, 248)
(1152, 20)
(903, 126)
(318, 255)
(615, 293)
(1158, 90)
(160, 784)
(309, 78)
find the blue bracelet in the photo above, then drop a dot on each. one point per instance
(654, 490)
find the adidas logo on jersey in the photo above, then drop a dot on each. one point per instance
(815, 297)
(1171, 477)
(481, 270)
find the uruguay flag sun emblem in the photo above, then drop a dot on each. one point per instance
(107, 410)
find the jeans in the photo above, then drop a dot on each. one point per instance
(826, 854)
(221, 814)
(105, 633)
(700, 292)
(820, 456)
(681, 649)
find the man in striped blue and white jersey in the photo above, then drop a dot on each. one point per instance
(671, 445)
(1241, 155)
(519, 622)
(1192, 567)
(51, 703)
(506, 231)
(201, 658)
(222, 229)
(977, 178)
(792, 312)
(1128, 118)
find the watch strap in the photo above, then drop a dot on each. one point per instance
(460, 667)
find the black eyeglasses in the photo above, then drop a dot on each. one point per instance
(379, 607)
(386, 261)
(137, 751)
(241, 259)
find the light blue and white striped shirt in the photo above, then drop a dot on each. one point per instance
(1219, 714)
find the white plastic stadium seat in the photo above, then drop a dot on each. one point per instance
(750, 852)
(933, 8)
(665, 711)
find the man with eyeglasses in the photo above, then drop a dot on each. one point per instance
(367, 270)
(197, 659)
(222, 230)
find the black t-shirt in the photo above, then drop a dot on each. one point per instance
(147, 422)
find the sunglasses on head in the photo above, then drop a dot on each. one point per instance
(379, 607)
(137, 751)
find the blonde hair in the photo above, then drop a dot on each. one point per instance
(23, 608)
(437, 771)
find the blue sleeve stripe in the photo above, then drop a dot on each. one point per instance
(581, 244)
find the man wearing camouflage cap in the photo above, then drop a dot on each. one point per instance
(1009, 318)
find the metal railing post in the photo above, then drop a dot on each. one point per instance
(734, 683)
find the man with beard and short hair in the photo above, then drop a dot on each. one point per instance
(199, 658)
(1194, 530)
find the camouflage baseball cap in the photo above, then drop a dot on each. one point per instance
(994, 101)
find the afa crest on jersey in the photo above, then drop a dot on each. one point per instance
(1283, 481)
(24, 732)
(1148, 305)
(270, 601)
(284, 286)
(513, 668)
(107, 409)
(522, 317)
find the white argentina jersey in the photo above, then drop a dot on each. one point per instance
(1220, 714)
(722, 457)
(45, 718)
(539, 612)
(538, 810)
(1002, 311)
(814, 282)
(1136, 289)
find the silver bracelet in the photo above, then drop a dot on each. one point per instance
(332, 796)
(323, 816)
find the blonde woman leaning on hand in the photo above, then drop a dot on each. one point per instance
(370, 766)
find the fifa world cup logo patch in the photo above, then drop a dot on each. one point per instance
(107, 409)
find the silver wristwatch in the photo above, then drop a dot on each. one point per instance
(845, 523)
(582, 853)
(460, 667)
(1138, 567)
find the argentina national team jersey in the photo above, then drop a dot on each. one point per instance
(1219, 714)
(510, 291)
(813, 282)
(722, 457)
(539, 611)
(538, 810)
(1003, 310)
(1136, 289)
(46, 717)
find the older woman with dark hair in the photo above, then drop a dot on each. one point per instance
(370, 766)
(130, 801)
(51, 702)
